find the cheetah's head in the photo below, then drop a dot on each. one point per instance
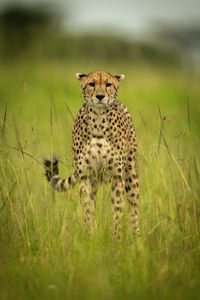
(99, 88)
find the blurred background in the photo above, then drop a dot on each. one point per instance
(45, 252)
(162, 32)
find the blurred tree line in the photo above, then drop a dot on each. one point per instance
(22, 30)
(33, 32)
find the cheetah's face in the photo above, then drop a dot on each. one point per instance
(99, 88)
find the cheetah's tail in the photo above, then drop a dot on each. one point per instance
(51, 172)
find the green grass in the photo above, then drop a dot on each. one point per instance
(44, 251)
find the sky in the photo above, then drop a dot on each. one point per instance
(132, 16)
(122, 17)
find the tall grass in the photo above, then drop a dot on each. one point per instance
(44, 251)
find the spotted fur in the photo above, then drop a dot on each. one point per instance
(104, 142)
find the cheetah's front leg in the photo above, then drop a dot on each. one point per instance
(117, 204)
(132, 190)
(88, 190)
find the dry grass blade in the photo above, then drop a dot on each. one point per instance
(54, 110)
(188, 114)
(25, 153)
(161, 136)
(4, 122)
(143, 121)
(166, 145)
(50, 115)
(177, 204)
(69, 111)
(12, 188)
(168, 150)
(161, 128)
(196, 170)
(17, 137)
(181, 172)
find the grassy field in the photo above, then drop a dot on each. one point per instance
(44, 251)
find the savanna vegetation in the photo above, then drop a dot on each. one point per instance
(44, 250)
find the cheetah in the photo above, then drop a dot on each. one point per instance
(104, 142)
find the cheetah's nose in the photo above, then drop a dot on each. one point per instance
(100, 97)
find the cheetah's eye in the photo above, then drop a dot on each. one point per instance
(108, 84)
(92, 84)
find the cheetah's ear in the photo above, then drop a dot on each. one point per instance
(79, 76)
(120, 77)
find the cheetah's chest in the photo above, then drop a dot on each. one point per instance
(98, 150)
